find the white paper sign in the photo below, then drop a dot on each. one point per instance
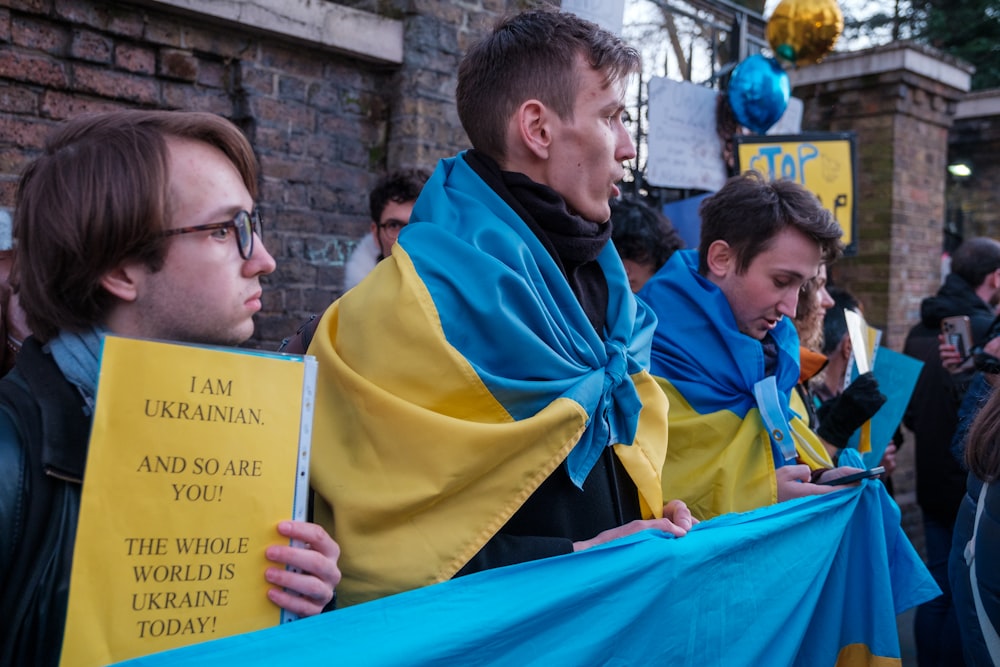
(684, 148)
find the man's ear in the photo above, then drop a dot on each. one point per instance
(720, 259)
(123, 282)
(845, 348)
(531, 122)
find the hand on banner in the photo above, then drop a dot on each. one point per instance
(307, 591)
(677, 520)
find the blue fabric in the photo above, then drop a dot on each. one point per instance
(789, 584)
(519, 324)
(714, 368)
(78, 357)
(773, 414)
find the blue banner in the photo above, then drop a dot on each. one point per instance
(814, 581)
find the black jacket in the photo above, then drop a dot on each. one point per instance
(987, 574)
(933, 411)
(43, 447)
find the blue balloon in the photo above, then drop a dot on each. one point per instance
(758, 92)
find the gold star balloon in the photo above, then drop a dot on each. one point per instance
(804, 31)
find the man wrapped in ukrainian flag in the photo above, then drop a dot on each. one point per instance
(727, 354)
(482, 396)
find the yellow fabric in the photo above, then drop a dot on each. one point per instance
(719, 463)
(418, 461)
(860, 655)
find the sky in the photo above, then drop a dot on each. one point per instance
(656, 51)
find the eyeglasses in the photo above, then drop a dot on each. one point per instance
(245, 224)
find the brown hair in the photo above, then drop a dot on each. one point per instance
(982, 449)
(400, 186)
(532, 55)
(96, 198)
(975, 259)
(749, 212)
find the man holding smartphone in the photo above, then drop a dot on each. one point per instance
(972, 290)
(727, 354)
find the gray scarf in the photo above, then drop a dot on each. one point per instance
(77, 356)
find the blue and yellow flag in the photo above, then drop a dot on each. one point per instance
(814, 582)
(721, 457)
(456, 378)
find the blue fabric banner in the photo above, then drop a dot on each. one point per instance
(814, 581)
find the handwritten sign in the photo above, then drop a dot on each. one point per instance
(685, 150)
(821, 162)
(195, 456)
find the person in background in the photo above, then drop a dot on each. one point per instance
(974, 560)
(839, 411)
(813, 304)
(389, 203)
(13, 325)
(137, 223)
(971, 289)
(644, 238)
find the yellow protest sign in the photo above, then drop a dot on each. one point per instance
(195, 455)
(822, 162)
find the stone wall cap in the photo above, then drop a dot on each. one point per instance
(319, 22)
(979, 104)
(904, 55)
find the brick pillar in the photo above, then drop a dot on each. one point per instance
(900, 99)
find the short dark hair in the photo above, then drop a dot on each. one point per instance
(532, 55)
(641, 233)
(749, 212)
(975, 259)
(834, 322)
(98, 197)
(401, 186)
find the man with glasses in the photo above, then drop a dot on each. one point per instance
(390, 203)
(139, 224)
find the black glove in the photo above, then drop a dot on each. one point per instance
(843, 415)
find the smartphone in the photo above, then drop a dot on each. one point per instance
(847, 479)
(958, 332)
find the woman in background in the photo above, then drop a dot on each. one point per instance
(974, 565)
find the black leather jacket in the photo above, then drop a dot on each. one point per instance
(43, 447)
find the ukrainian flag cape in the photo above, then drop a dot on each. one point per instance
(811, 582)
(720, 457)
(456, 378)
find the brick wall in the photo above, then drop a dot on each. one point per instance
(902, 119)
(324, 125)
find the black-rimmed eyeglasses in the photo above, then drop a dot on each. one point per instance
(245, 224)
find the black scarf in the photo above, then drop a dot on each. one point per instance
(574, 243)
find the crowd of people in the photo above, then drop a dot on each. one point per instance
(541, 359)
